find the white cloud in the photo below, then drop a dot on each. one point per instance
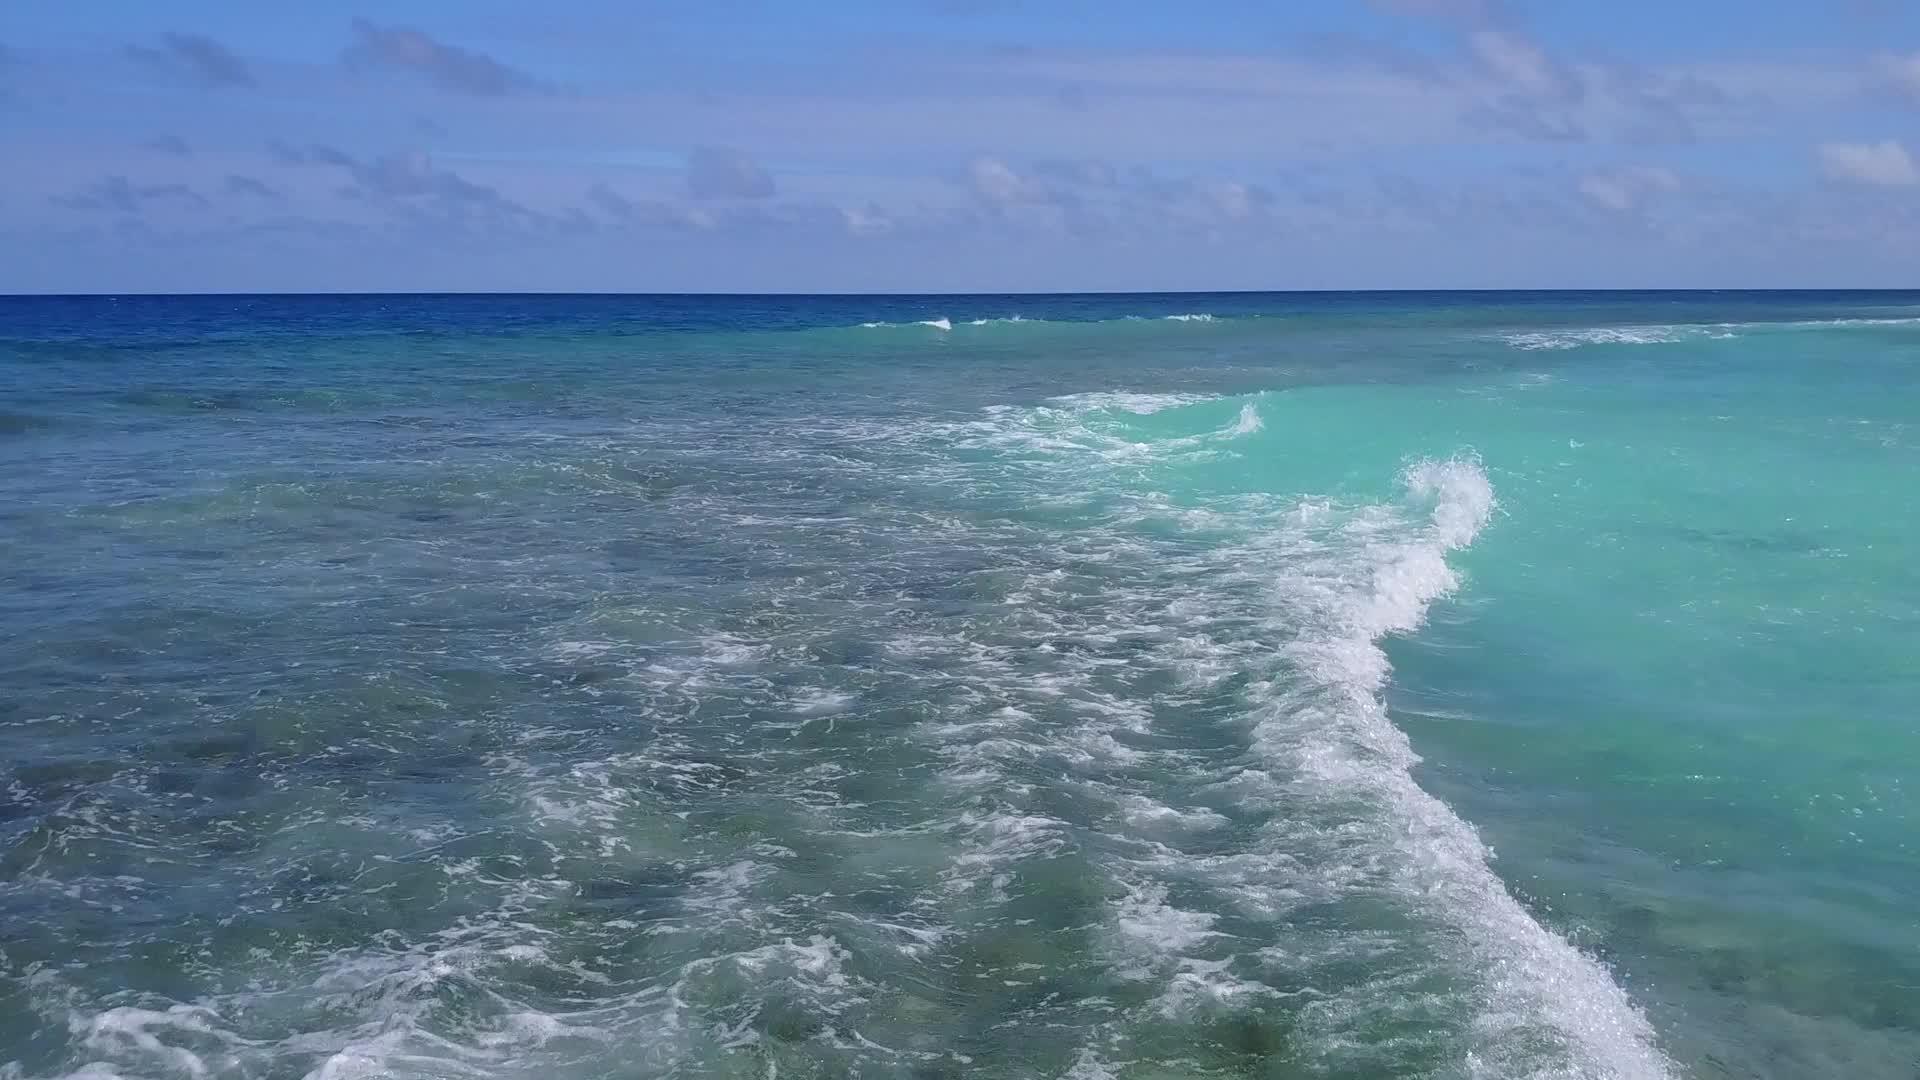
(1621, 190)
(1520, 63)
(197, 57)
(868, 220)
(1231, 198)
(1210, 201)
(1607, 192)
(996, 182)
(1159, 147)
(446, 66)
(1092, 196)
(1903, 72)
(1467, 10)
(1883, 164)
(719, 172)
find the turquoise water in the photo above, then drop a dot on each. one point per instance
(1492, 685)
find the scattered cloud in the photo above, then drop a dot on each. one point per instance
(1519, 207)
(1881, 164)
(408, 181)
(195, 57)
(247, 185)
(1521, 88)
(1361, 52)
(1621, 190)
(1463, 10)
(1658, 107)
(971, 7)
(1092, 196)
(449, 67)
(1531, 94)
(1229, 199)
(715, 172)
(1523, 66)
(118, 195)
(1084, 172)
(315, 154)
(995, 182)
(974, 142)
(610, 200)
(1527, 120)
(868, 220)
(1902, 73)
(738, 217)
(412, 175)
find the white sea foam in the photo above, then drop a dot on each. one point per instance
(1843, 323)
(941, 323)
(1663, 335)
(1146, 814)
(1142, 404)
(1600, 335)
(359, 1013)
(729, 651)
(1047, 734)
(1090, 1066)
(1200, 985)
(1000, 836)
(1076, 425)
(819, 702)
(1341, 580)
(1337, 744)
(581, 650)
(1146, 920)
(946, 322)
(1247, 423)
(134, 1032)
(820, 959)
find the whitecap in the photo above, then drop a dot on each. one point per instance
(1247, 423)
(819, 702)
(1138, 403)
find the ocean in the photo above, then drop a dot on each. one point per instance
(1152, 687)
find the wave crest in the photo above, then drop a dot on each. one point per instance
(1332, 744)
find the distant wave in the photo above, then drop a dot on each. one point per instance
(941, 323)
(1605, 335)
(947, 323)
(1537, 340)
(1816, 324)
(1142, 404)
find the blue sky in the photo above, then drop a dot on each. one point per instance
(984, 145)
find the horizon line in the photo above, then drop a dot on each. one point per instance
(797, 295)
